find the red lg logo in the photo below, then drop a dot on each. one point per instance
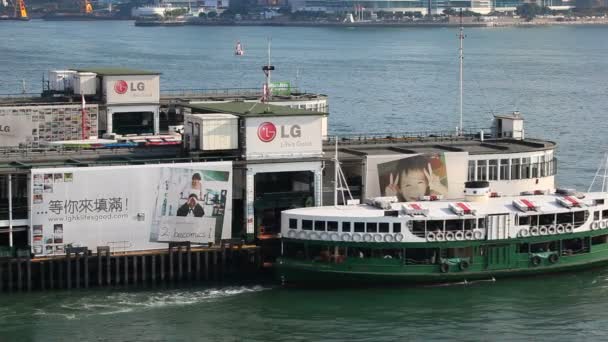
(121, 87)
(267, 131)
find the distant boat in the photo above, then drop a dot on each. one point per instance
(238, 51)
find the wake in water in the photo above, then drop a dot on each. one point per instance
(464, 282)
(124, 302)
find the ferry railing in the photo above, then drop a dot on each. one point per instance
(221, 92)
(420, 136)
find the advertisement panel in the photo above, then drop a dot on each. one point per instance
(29, 126)
(412, 176)
(131, 89)
(284, 137)
(130, 207)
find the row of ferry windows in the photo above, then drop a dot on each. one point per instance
(357, 227)
(577, 217)
(511, 169)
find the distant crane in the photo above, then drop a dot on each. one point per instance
(19, 10)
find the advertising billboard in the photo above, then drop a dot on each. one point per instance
(412, 176)
(283, 137)
(131, 89)
(130, 208)
(32, 125)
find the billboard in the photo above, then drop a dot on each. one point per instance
(131, 89)
(412, 176)
(29, 126)
(130, 207)
(283, 137)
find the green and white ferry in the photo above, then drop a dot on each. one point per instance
(478, 237)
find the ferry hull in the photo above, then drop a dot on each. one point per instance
(307, 274)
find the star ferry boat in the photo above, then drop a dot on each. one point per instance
(482, 236)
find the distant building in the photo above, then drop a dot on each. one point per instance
(404, 6)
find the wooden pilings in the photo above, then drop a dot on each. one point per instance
(80, 268)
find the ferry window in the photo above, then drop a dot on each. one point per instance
(534, 166)
(579, 216)
(469, 224)
(481, 170)
(359, 227)
(524, 220)
(564, 218)
(384, 227)
(332, 226)
(546, 219)
(434, 225)
(471, 174)
(481, 223)
(293, 223)
(307, 224)
(543, 166)
(604, 214)
(453, 225)
(320, 225)
(524, 248)
(525, 168)
(493, 170)
(504, 169)
(346, 226)
(372, 227)
(396, 227)
(598, 201)
(596, 215)
(515, 169)
(418, 226)
(598, 240)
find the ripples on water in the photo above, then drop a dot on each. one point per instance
(378, 80)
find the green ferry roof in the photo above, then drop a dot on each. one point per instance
(250, 109)
(110, 71)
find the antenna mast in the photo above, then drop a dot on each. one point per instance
(340, 183)
(267, 70)
(461, 60)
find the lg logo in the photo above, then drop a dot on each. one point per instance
(121, 87)
(5, 129)
(267, 131)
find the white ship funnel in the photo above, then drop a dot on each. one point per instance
(476, 191)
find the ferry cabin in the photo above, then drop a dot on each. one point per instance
(443, 241)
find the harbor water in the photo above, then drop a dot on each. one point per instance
(378, 80)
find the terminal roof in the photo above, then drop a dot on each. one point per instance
(249, 109)
(109, 71)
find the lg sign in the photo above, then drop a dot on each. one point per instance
(121, 87)
(267, 131)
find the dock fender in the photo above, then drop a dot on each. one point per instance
(291, 234)
(377, 238)
(324, 236)
(551, 230)
(553, 258)
(398, 237)
(560, 229)
(449, 236)
(345, 237)
(334, 237)
(534, 231)
(459, 235)
(523, 233)
(535, 260)
(388, 238)
(357, 237)
(439, 236)
(478, 235)
(464, 265)
(603, 224)
(543, 230)
(368, 237)
(569, 228)
(468, 235)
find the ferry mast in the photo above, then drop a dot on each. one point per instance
(461, 61)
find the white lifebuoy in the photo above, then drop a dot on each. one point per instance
(439, 236)
(468, 235)
(291, 234)
(569, 228)
(459, 235)
(542, 230)
(377, 238)
(334, 237)
(449, 236)
(313, 236)
(523, 233)
(560, 229)
(324, 236)
(388, 238)
(534, 231)
(345, 237)
(595, 225)
(398, 237)
(552, 230)
(302, 235)
(357, 237)
(603, 224)
(367, 237)
(430, 236)
(478, 235)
